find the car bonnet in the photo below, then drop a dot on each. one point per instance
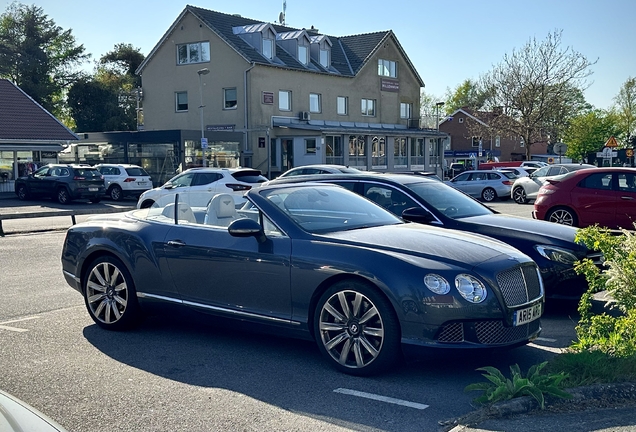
(440, 244)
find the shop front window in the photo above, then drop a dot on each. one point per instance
(357, 151)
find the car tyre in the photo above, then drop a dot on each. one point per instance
(115, 193)
(110, 295)
(563, 216)
(23, 193)
(62, 196)
(356, 329)
(519, 195)
(488, 194)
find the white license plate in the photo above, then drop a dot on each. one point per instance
(524, 316)
(93, 189)
(142, 183)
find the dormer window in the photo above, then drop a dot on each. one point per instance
(324, 58)
(260, 36)
(303, 54)
(296, 43)
(321, 50)
(268, 48)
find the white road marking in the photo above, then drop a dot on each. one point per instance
(381, 398)
(15, 329)
(545, 348)
(545, 339)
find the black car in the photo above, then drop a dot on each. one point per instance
(313, 261)
(63, 183)
(432, 202)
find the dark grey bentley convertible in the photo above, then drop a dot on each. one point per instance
(314, 260)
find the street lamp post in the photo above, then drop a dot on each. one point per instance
(201, 72)
(440, 153)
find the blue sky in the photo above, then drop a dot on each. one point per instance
(447, 42)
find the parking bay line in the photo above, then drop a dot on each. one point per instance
(15, 329)
(381, 398)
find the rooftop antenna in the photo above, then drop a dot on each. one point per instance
(281, 16)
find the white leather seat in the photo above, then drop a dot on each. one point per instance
(185, 213)
(221, 211)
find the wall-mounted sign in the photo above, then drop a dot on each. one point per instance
(219, 128)
(268, 98)
(389, 85)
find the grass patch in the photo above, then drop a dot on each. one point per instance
(592, 367)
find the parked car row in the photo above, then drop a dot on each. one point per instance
(67, 182)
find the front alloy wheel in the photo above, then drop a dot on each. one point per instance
(356, 329)
(109, 294)
(519, 195)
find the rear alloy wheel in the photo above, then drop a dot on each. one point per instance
(23, 193)
(356, 329)
(116, 193)
(519, 195)
(63, 196)
(110, 295)
(488, 194)
(562, 216)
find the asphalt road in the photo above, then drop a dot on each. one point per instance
(188, 374)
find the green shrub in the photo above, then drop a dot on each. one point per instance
(535, 384)
(615, 336)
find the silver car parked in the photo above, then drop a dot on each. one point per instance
(484, 184)
(525, 189)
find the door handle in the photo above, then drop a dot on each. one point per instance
(627, 198)
(176, 243)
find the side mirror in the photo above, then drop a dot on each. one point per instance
(247, 228)
(168, 185)
(418, 214)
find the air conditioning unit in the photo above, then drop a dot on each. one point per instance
(304, 115)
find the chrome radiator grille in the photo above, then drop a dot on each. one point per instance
(520, 285)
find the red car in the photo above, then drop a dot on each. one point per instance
(603, 196)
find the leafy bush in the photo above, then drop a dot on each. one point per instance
(615, 336)
(535, 384)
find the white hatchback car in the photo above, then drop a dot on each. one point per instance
(197, 186)
(124, 180)
(525, 189)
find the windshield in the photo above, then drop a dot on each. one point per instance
(448, 200)
(322, 209)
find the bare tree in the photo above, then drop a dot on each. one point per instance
(534, 87)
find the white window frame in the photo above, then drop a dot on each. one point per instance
(226, 100)
(203, 50)
(315, 103)
(387, 68)
(264, 48)
(406, 109)
(342, 106)
(325, 57)
(365, 109)
(303, 58)
(285, 96)
(176, 101)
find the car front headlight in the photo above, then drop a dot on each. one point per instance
(470, 288)
(437, 284)
(553, 253)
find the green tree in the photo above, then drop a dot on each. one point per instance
(109, 100)
(533, 86)
(588, 133)
(626, 108)
(39, 56)
(430, 112)
(468, 94)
